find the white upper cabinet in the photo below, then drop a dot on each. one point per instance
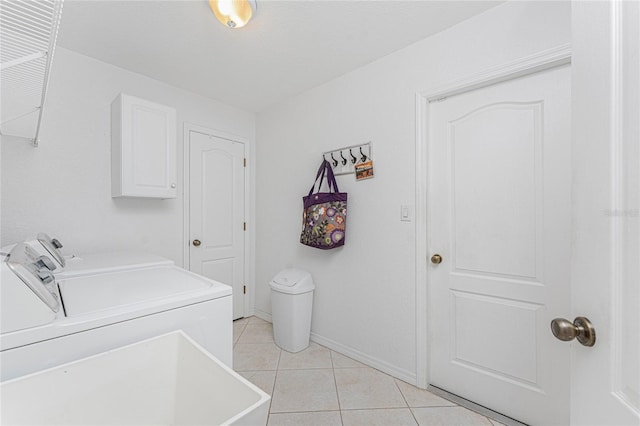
(143, 148)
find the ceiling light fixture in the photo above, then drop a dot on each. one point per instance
(233, 13)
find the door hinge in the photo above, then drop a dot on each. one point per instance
(245, 162)
(244, 226)
(244, 289)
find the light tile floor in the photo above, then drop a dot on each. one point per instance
(319, 386)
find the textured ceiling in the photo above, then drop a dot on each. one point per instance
(289, 46)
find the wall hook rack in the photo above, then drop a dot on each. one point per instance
(343, 160)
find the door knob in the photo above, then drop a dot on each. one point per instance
(196, 243)
(436, 258)
(580, 329)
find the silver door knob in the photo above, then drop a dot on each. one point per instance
(436, 258)
(581, 329)
(196, 243)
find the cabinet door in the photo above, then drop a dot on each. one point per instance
(143, 148)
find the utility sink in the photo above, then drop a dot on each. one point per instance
(166, 380)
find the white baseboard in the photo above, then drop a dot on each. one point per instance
(248, 313)
(262, 315)
(385, 367)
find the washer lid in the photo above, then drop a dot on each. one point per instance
(290, 277)
(134, 289)
(87, 264)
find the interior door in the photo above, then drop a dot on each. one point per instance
(500, 237)
(606, 260)
(216, 209)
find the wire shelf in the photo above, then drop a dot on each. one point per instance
(28, 33)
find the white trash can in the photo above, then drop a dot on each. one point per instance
(291, 303)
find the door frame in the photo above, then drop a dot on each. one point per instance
(607, 104)
(547, 59)
(249, 234)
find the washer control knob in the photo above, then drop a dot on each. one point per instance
(45, 276)
(45, 262)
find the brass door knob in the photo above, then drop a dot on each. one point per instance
(436, 258)
(580, 329)
(196, 243)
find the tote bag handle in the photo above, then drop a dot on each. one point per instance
(325, 170)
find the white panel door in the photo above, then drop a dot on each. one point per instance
(500, 218)
(216, 206)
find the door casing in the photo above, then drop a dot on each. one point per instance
(606, 107)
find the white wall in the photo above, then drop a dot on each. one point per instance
(365, 299)
(63, 186)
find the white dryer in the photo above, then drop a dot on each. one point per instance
(49, 320)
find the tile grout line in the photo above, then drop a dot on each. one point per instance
(335, 384)
(256, 371)
(241, 332)
(395, 382)
(275, 379)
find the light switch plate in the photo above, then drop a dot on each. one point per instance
(406, 213)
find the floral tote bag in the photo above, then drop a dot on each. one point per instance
(324, 217)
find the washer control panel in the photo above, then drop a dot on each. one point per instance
(36, 272)
(52, 246)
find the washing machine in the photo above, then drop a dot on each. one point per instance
(83, 264)
(49, 319)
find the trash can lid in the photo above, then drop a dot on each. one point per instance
(290, 277)
(292, 281)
